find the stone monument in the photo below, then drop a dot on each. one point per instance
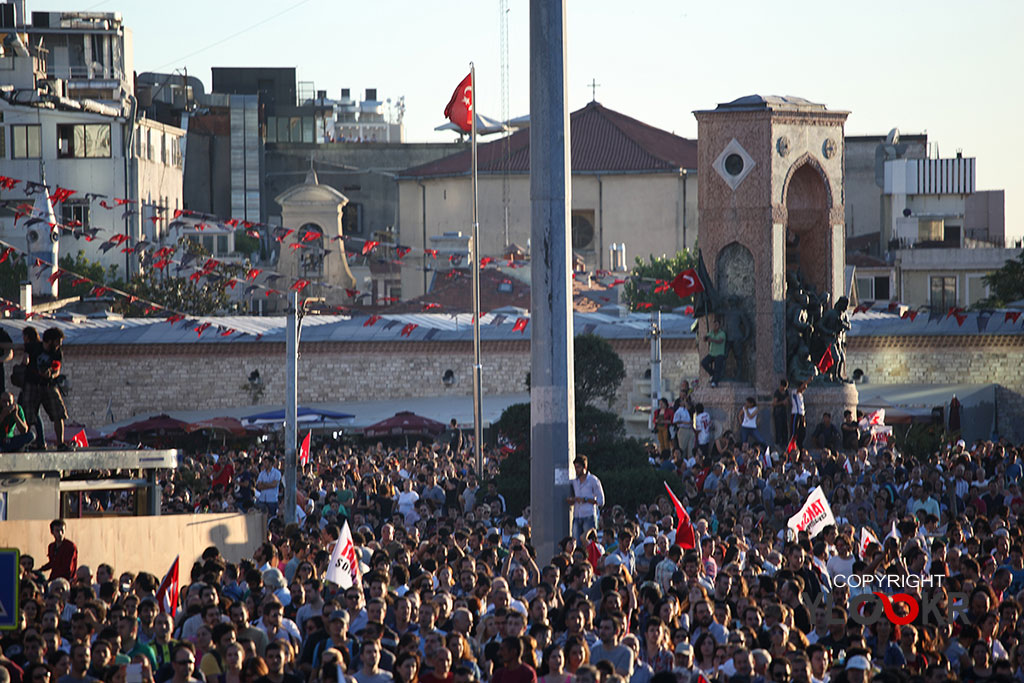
(772, 237)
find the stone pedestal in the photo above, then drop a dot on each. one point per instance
(724, 402)
(828, 398)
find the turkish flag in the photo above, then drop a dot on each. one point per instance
(80, 440)
(167, 593)
(687, 283)
(686, 537)
(460, 107)
(304, 449)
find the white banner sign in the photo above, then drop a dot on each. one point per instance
(343, 568)
(815, 515)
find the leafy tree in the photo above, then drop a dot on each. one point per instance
(639, 289)
(195, 296)
(1006, 284)
(12, 274)
(597, 369)
(80, 265)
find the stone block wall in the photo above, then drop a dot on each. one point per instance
(143, 380)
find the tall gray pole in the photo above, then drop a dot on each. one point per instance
(474, 256)
(655, 365)
(291, 407)
(552, 409)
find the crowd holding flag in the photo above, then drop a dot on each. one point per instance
(343, 569)
(867, 537)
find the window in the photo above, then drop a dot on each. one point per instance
(3, 142)
(75, 214)
(929, 230)
(26, 142)
(583, 230)
(222, 244)
(83, 141)
(882, 288)
(951, 234)
(352, 219)
(943, 292)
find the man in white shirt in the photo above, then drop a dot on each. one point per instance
(586, 499)
(268, 484)
(841, 564)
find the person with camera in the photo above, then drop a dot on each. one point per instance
(43, 380)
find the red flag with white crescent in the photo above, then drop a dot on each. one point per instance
(304, 449)
(167, 594)
(460, 107)
(687, 283)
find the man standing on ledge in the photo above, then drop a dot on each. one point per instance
(587, 498)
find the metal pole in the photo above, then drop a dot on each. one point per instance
(291, 407)
(474, 256)
(655, 365)
(552, 409)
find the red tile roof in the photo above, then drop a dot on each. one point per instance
(601, 140)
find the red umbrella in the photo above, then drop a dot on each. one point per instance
(156, 423)
(226, 424)
(405, 423)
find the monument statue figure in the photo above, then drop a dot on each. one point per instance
(738, 329)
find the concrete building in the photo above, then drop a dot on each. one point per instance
(632, 183)
(919, 231)
(102, 151)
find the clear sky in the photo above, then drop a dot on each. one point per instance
(945, 67)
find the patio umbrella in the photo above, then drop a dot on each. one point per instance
(303, 415)
(224, 424)
(405, 423)
(156, 423)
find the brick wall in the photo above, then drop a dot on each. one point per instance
(143, 380)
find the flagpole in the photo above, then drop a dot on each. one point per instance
(475, 258)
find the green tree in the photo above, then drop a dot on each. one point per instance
(83, 267)
(639, 289)
(598, 370)
(1006, 284)
(12, 274)
(195, 296)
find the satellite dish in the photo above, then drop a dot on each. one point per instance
(33, 236)
(893, 138)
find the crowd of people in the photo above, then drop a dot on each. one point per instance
(451, 590)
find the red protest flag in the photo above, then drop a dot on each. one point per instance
(826, 361)
(407, 330)
(304, 449)
(686, 537)
(371, 321)
(520, 325)
(460, 107)
(80, 440)
(167, 593)
(300, 285)
(687, 283)
(792, 447)
(369, 246)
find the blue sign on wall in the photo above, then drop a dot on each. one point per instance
(9, 572)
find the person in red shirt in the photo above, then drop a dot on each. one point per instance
(62, 553)
(514, 671)
(223, 472)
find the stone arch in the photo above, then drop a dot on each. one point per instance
(807, 197)
(311, 257)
